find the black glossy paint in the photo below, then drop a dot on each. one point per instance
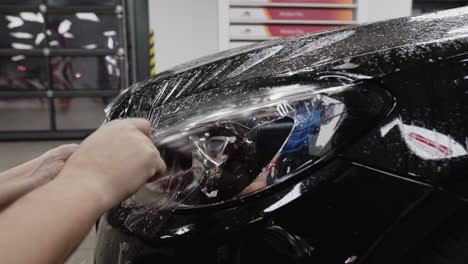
(377, 196)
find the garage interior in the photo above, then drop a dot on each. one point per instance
(63, 61)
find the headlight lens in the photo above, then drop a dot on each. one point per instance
(237, 148)
(232, 147)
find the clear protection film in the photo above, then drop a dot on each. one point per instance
(228, 129)
(223, 152)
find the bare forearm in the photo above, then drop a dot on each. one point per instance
(48, 223)
(45, 225)
(15, 188)
(28, 176)
(18, 181)
(22, 170)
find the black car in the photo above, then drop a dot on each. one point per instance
(343, 146)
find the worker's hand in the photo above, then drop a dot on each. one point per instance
(115, 161)
(22, 179)
(51, 163)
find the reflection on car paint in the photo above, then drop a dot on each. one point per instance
(320, 43)
(291, 196)
(426, 144)
(439, 15)
(256, 59)
(459, 30)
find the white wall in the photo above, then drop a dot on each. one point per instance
(375, 10)
(188, 29)
(183, 30)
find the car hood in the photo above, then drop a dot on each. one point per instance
(352, 52)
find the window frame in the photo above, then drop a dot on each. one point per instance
(133, 51)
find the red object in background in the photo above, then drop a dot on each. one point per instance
(313, 1)
(291, 30)
(309, 14)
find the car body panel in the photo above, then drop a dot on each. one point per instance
(349, 206)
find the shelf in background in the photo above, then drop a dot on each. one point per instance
(292, 21)
(290, 5)
(252, 38)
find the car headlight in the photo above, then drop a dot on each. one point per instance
(230, 146)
